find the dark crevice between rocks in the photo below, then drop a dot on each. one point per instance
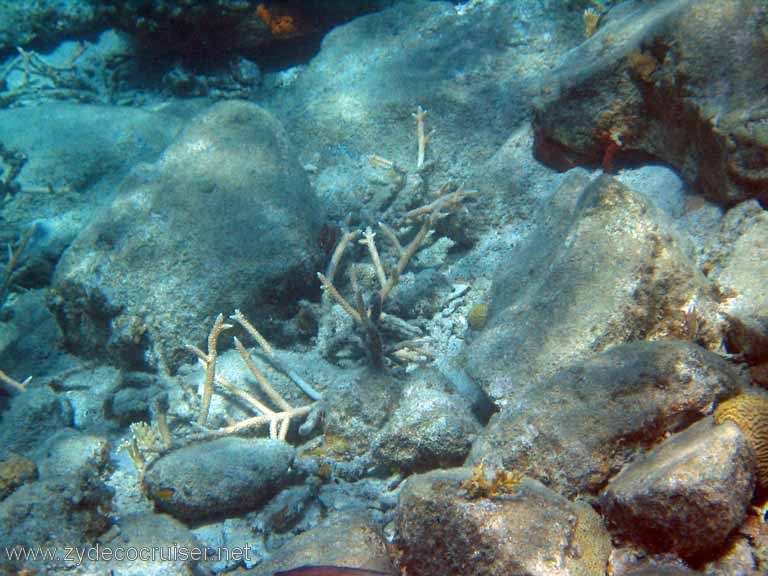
(207, 35)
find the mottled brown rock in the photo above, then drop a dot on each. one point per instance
(578, 428)
(530, 532)
(606, 267)
(674, 80)
(688, 494)
(346, 539)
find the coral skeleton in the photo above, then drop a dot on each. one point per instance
(278, 420)
(14, 384)
(43, 79)
(369, 317)
(13, 262)
(421, 137)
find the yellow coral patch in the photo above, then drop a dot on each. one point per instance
(478, 316)
(750, 413)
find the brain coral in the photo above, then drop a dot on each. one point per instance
(750, 413)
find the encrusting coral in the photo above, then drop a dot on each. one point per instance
(504, 482)
(15, 471)
(750, 413)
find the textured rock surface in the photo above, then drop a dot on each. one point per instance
(653, 79)
(466, 65)
(739, 260)
(40, 21)
(228, 475)
(688, 494)
(94, 148)
(72, 454)
(343, 540)
(430, 428)
(93, 142)
(15, 471)
(662, 571)
(34, 416)
(531, 532)
(145, 531)
(576, 429)
(224, 219)
(359, 407)
(67, 503)
(606, 267)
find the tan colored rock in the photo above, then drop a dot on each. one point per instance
(607, 267)
(580, 427)
(688, 494)
(347, 539)
(739, 260)
(531, 531)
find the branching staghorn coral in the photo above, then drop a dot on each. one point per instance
(278, 420)
(13, 262)
(14, 384)
(41, 79)
(369, 316)
(421, 137)
(11, 163)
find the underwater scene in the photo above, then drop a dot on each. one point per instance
(384, 287)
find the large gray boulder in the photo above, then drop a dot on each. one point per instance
(33, 416)
(604, 267)
(224, 219)
(656, 80)
(578, 428)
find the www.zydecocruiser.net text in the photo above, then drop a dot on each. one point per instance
(76, 556)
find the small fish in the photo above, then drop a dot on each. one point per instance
(166, 493)
(330, 571)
